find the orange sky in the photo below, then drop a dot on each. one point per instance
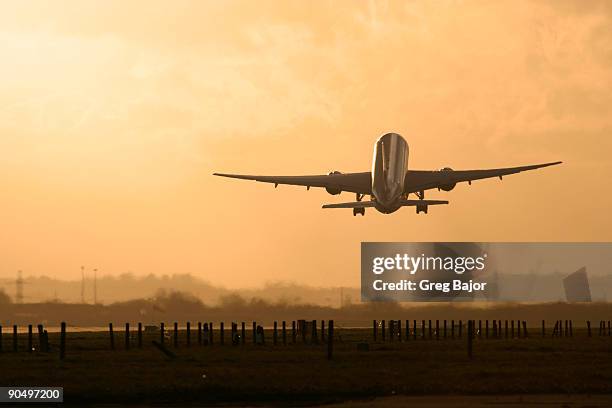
(113, 115)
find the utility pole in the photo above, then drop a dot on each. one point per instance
(19, 288)
(82, 284)
(95, 286)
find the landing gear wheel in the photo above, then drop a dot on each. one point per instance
(360, 210)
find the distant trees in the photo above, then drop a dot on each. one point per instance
(4, 298)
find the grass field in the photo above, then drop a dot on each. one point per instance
(301, 373)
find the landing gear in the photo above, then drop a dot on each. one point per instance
(420, 194)
(360, 210)
(421, 208)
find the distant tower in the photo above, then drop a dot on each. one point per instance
(95, 286)
(82, 284)
(19, 288)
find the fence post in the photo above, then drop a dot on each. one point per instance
(313, 337)
(525, 328)
(479, 329)
(407, 329)
(254, 332)
(161, 333)
(62, 339)
(383, 330)
(30, 341)
(112, 336)
(188, 337)
(423, 329)
(199, 333)
(322, 330)
(243, 333)
(330, 339)
(487, 328)
(589, 327)
(205, 334)
(211, 333)
(293, 332)
(399, 330)
(437, 329)
(391, 330)
(284, 333)
(127, 336)
(453, 329)
(374, 329)
(543, 328)
(469, 338)
(175, 334)
(430, 330)
(414, 332)
(139, 334)
(275, 333)
(222, 333)
(460, 328)
(15, 341)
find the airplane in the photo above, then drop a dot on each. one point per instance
(390, 183)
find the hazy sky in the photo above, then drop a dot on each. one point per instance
(114, 114)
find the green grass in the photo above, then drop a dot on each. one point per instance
(300, 373)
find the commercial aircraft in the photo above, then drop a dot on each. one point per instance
(390, 183)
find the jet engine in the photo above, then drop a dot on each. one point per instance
(451, 184)
(331, 190)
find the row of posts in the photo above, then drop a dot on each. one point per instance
(445, 329)
(43, 339)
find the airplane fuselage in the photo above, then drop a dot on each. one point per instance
(389, 167)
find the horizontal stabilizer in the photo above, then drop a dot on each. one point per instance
(403, 203)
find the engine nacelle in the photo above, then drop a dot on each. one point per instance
(331, 190)
(450, 185)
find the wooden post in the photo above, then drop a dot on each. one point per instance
(430, 330)
(30, 340)
(391, 330)
(524, 328)
(275, 333)
(414, 331)
(199, 333)
(211, 333)
(383, 331)
(437, 329)
(303, 329)
(460, 328)
(322, 330)
(222, 333)
(479, 329)
(313, 336)
(571, 331)
(423, 329)
(487, 328)
(15, 341)
(139, 334)
(205, 334)
(284, 328)
(407, 329)
(506, 329)
(175, 334)
(566, 328)
(254, 332)
(127, 336)
(543, 328)
(112, 336)
(399, 330)
(374, 329)
(62, 339)
(293, 332)
(469, 338)
(512, 329)
(243, 333)
(330, 339)
(589, 327)
(161, 333)
(188, 334)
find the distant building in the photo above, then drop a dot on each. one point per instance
(577, 286)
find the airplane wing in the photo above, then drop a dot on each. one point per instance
(353, 182)
(421, 180)
(366, 204)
